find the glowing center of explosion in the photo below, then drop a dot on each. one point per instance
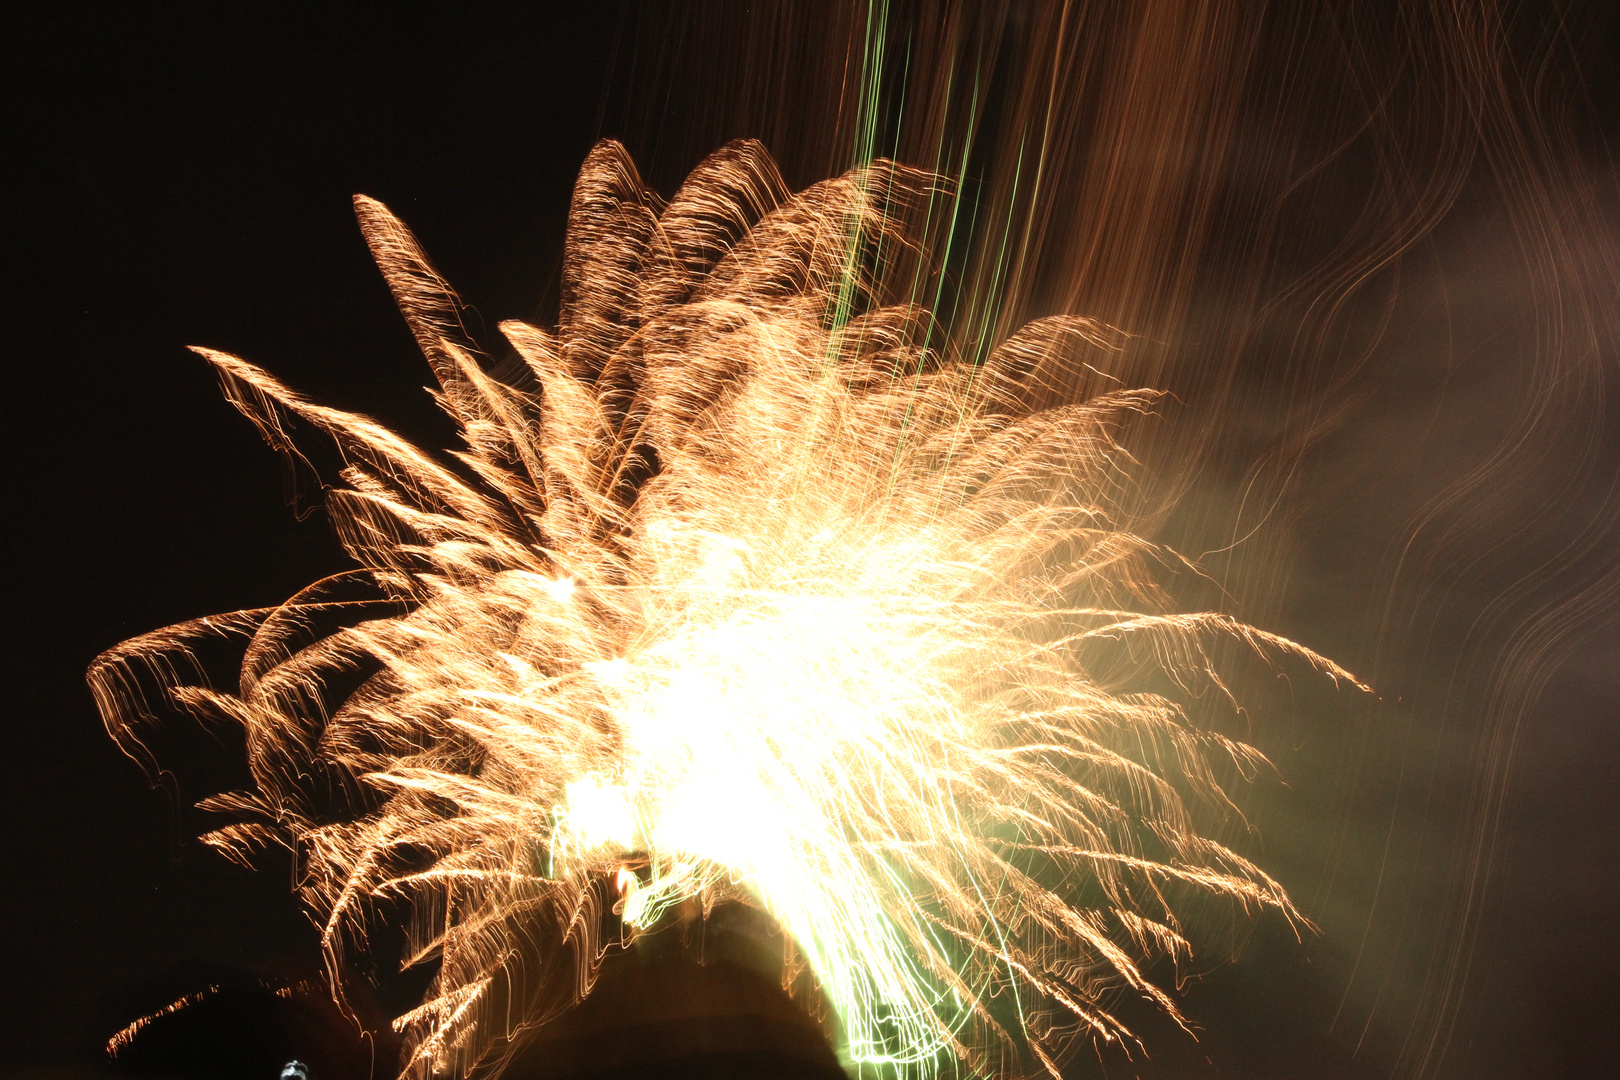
(773, 735)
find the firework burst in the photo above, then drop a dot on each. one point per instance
(748, 590)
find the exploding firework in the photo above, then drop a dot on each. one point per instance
(751, 589)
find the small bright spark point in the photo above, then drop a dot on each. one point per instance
(755, 586)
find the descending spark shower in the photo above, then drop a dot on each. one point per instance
(754, 589)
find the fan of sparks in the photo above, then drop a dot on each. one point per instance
(748, 591)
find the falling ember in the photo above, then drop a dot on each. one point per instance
(749, 591)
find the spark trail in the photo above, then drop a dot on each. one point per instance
(755, 593)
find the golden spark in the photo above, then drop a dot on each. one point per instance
(755, 593)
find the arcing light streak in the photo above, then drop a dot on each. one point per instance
(741, 601)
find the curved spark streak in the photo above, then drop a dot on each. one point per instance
(741, 599)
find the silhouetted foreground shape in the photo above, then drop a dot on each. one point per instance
(653, 1013)
(202, 1022)
(671, 1017)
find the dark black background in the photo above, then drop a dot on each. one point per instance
(174, 175)
(177, 175)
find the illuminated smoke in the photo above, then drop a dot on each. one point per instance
(750, 590)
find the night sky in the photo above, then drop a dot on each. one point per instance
(174, 176)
